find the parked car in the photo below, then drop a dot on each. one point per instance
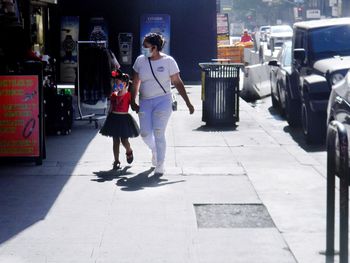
(339, 107)
(278, 35)
(279, 77)
(321, 58)
(263, 32)
(339, 103)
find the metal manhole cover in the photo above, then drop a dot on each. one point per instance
(233, 216)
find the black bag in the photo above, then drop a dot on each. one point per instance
(173, 97)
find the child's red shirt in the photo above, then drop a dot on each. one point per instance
(120, 103)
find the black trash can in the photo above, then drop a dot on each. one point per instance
(220, 93)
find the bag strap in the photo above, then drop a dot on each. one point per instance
(149, 60)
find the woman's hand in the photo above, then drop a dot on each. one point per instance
(135, 107)
(190, 108)
(134, 91)
(179, 85)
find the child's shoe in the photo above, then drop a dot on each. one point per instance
(116, 165)
(129, 157)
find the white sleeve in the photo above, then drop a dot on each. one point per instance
(173, 67)
(136, 65)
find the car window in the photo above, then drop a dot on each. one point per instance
(299, 39)
(287, 56)
(280, 56)
(330, 41)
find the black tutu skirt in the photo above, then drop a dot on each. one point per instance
(120, 125)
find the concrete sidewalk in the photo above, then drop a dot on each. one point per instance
(244, 194)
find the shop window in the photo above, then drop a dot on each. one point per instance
(9, 13)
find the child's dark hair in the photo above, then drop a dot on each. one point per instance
(117, 74)
(155, 40)
(125, 78)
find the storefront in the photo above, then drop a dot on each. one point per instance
(43, 29)
(192, 27)
(23, 62)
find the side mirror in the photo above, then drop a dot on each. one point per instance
(274, 63)
(299, 55)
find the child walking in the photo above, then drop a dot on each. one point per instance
(119, 123)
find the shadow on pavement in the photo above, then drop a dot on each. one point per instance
(142, 180)
(330, 259)
(297, 134)
(298, 137)
(26, 200)
(28, 192)
(207, 128)
(276, 114)
(110, 175)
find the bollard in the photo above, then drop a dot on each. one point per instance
(336, 130)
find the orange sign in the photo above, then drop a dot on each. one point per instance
(19, 116)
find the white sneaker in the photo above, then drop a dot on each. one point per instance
(159, 169)
(154, 158)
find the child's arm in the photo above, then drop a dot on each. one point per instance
(110, 106)
(134, 91)
(111, 101)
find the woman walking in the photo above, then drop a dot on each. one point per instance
(154, 72)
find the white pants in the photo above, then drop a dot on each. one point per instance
(154, 115)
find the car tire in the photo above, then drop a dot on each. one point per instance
(280, 105)
(292, 112)
(274, 102)
(313, 124)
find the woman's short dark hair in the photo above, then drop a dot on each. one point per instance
(155, 40)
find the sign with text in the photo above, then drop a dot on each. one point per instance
(313, 14)
(222, 24)
(69, 49)
(223, 36)
(19, 116)
(156, 23)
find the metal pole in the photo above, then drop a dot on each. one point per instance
(78, 84)
(344, 194)
(330, 189)
(337, 130)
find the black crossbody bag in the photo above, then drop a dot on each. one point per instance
(174, 102)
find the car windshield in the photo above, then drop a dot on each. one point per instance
(288, 55)
(330, 41)
(281, 29)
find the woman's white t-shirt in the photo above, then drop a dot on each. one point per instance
(163, 68)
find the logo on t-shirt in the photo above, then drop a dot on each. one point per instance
(160, 69)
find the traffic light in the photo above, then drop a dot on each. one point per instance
(300, 11)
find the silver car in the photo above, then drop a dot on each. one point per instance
(263, 31)
(278, 35)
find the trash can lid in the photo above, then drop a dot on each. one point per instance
(206, 65)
